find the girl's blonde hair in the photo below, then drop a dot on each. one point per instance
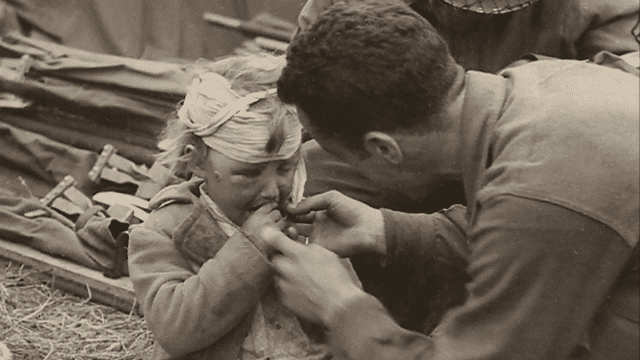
(247, 74)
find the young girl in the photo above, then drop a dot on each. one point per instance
(198, 265)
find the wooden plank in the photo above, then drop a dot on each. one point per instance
(71, 277)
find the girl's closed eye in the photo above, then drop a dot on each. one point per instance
(246, 175)
(286, 168)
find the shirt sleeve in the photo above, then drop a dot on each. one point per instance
(423, 240)
(538, 274)
(189, 308)
(424, 272)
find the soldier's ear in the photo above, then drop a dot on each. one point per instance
(383, 145)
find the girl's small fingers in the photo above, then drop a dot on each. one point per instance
(267, 208)
(282, 224)
(291, 232)
(307, 218)
(275, 215)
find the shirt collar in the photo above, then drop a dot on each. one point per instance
(483, 104)
(228, 226)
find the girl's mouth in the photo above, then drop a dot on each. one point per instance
(255, 208)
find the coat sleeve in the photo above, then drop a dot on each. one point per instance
(422, 278)
(538, 274)
(421, 240)
(186, 308)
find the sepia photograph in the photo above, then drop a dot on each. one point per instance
(319, 179)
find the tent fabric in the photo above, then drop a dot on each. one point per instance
(83, 133)
(87, 99)
(147, 29)
(8, 19)
(93, 246)
(91, 101)
(103, 69)
(32, 164)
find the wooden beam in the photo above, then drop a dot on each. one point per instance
(71, 277)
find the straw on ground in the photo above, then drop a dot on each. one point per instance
(38, 322)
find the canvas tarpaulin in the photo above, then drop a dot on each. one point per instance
(86, 99)
(30, 165)
(148, 29)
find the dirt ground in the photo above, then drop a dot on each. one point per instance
(38, 322)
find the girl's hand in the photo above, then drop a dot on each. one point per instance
(268, 216)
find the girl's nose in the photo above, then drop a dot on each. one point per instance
(271, 189)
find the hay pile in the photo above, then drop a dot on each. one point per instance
(38, 322)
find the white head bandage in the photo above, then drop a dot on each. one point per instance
(220, 116)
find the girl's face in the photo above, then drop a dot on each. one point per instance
(240, 188)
